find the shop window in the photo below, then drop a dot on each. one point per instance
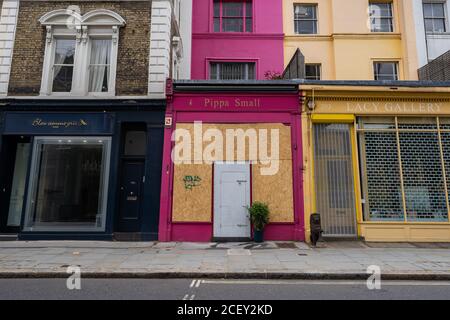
(435, 17)
(68, 184)
(381, 17)
(233, 16)
(81, 52)
(305, 18)
(402, 169)
(232, 71)
(312, 71)
(385, 71)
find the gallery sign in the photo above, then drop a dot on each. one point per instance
(383, 107)
(58, 123)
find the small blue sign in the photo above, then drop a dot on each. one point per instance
(59, 123)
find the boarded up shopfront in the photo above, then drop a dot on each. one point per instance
(228, 150)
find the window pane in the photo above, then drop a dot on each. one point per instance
(69, 184)
(232, 25)
(99, 68)
(232, 71)
(305, 12)
(312, 71)
(249, 25)
(62, 81)
(216, 24)
(438, 25)
(18, 184)
(438, 10)
(216, 8)
(428, 10)
(305, 27)
(135, 143)
(99, 79)
(385, 71)
(232, 9)
(423, 176)
(381, 176)
(64, 51)
(249, 9)
(213, 71)
(63, 65)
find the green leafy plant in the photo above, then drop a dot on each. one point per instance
(259, 215)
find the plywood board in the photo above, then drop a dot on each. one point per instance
(192, 198)
(275, 190)
(284, 152)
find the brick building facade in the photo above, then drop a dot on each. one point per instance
(82, 106)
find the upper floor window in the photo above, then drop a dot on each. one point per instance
(385, 70)
(233, 16)
(63, 65)
(312, 71)
(81, 52)
(232, 71)
(305, 18)
(381, 17)
(434, 15)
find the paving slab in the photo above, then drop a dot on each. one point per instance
(330, 260)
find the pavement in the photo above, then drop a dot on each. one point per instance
(271, 260)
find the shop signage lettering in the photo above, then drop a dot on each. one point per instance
(191, 181)
(394, 107)
(58, 124)
(232, 103)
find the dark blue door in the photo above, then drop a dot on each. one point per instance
(131, 192)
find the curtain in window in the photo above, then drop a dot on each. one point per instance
(99, 65)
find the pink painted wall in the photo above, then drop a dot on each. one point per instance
(221, 108)
(264, 45)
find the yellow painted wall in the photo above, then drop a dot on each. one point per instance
(335, 104)
(344, 44)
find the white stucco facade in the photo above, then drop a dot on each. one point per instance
(8, 23)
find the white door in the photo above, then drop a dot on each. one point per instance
(231, 199)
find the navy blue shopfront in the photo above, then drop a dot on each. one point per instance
(81, 169)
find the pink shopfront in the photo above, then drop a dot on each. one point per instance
(226, 146)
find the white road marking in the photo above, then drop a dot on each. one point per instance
(326, 282)
(185, 297)
(195, 283)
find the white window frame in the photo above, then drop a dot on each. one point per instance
(396, 64)
(446, 5)
(69, 24)
(245, 63)
(391, 17)
(314, 20)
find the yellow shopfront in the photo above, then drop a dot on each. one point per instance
(377, 162)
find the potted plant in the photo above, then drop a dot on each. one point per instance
(259, 216)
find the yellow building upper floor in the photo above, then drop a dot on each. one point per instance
(352, 39)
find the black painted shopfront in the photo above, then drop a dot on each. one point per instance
(81, 169)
